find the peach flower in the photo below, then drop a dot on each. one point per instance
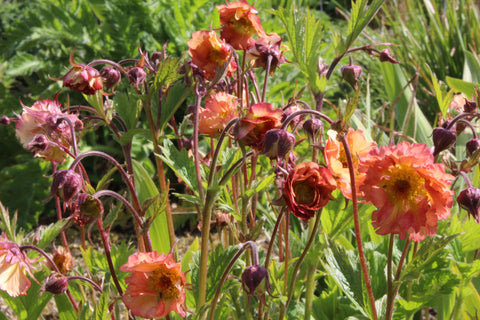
(14, 266)
(239, 23)
(210, 53)
(410, 191)
(156, 286)
(219, 109)
(337, 162)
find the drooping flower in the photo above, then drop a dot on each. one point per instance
(39, 131)
(255, 282)
(336, 159)
(14, 266)
(267, 45)
(410, 191)
(239, 23)
(469, 199)
(278, 144)
(82, 78)
(66, 184)
(156, 285)
(260, 118)
(210, 53)
(63, 260)
(219, 109)
(308, 188)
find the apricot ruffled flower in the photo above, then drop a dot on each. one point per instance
(239, 23)
(14, 266)
(336, 159)
(308, 188)
(219, 109)
(38, 130)
(260, 118)
(156, 286)
(210, 53)
(410, 191)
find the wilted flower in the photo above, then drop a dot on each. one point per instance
(308, 188)
(82, 78)
(386, 56)
(14, 266)
(66, 184)
(278, 143)
(469, 200)
(210, 53)
(472, 146)
(442, 139)
(39, 132)
(260, 118)
(336, 159)
(156, 285)
(410, 191)
(267, 45)
(255, 282)
(219, 109)
(56, 283)
(239, 23)
(86, 209)
(63, 260)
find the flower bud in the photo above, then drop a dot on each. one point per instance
(472, 146)
(312, 127)
(66, 184)
(39, 143)
(255, 281)
(442, 139)
(56, 284)
(84, 79)
(386, 56)
(469, 200)
(351, 73)
(136, 76)
(278, 143)
(470, 106)
(111, 77)
(4, 120)
(87, 209)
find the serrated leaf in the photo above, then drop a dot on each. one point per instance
(64, 307)
(167, 73)
(259, 186)
(24, 64)
(189, 198)
(128, 136)
(360, 16)
(51, 232)
(101, 308)
(128, 108)
(176, 95)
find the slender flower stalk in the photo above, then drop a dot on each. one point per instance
(106, 246)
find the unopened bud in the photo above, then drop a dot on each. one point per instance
(312, 127)
(442, 139)
(278, 143)
(56, 284)
(255, 281)
(470, 106)
(136, 76)
(4, 120)
(111, 77)
(386, 56)
(351, 73)
(469, 200)
(472, 146)
(66, 184)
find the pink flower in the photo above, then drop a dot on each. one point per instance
(239, 23)
(210, 53)
(39, 132)
(219, 109)
(156, 286)
(13, 268)
(410, 191)
(82, 78)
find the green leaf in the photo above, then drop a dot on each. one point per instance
(51, 232)
(101, 308)
(167, 73)
(128, 108)
(471, 68)
(443, 98)
(24, 64)
(259, 186)
(64, 307)
(176, 95)
(146, 189)
(360, 16)
(467, 88)
(128, 136)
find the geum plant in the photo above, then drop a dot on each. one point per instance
(300, 199)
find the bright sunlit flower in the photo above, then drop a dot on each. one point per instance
(219, 109)
(307, 189)
(337, 161)
(39, 131)
(156, 286)
(239, 23)
(410, 191)
(210, 53)
(14, 266)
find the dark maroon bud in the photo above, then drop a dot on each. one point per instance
(39, 143)
(470, 106)
(255, 281)
(78, 125)
(87, 209)
(469, 199)
(351, 73)
(442, 139)
(4, 121)
(56, 284)
(136, 76)
(66, 184)
(278, 143)
(312, 127)
(110, 76)
(472, 146)
(386, 56)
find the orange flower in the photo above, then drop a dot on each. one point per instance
(209, 53)
(410, 191)
(307, 189)
(40, 133)
(260, 118)
(14, 266)
(337, 161)
(156, 286)
(219, 109)
(239, 24)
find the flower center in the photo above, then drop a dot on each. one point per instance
(403, 184)
(304, 194)
(165, 281)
